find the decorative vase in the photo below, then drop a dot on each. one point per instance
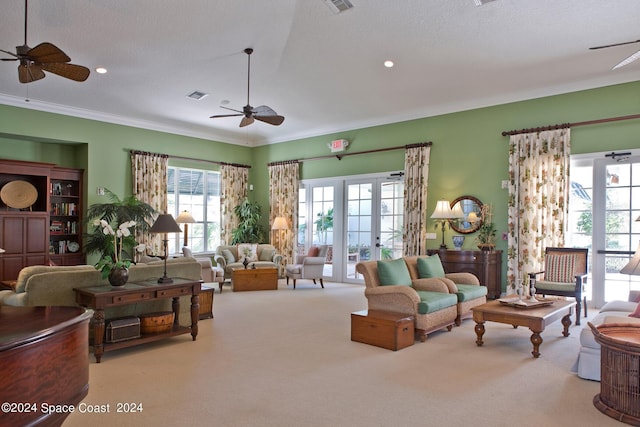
(457, 242)
(119, 276)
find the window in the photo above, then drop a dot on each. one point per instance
(196, 191)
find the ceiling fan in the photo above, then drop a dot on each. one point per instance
(44, 57)
(626, 61)
(261, 112)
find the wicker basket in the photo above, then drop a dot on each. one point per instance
(156, 323)
(619, 395)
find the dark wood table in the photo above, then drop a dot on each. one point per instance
(101, 297)
(534, 318)
(44, 363)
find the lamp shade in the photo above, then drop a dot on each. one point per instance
(165, 224)
(443, 210)
(185, 218)
(457, 210)
(473, 217)
(280, 223)
(633, 267)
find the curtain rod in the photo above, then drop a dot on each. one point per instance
(340, 156)
(147, 153)
(569, 125)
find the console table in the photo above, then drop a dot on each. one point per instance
(44, 354)
(485, 265)
(101, 297)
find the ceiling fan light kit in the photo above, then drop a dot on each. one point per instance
(262, 112)
(44, 57)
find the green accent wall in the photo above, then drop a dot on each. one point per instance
(469, 155)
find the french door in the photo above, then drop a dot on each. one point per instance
(604, 205)
(359, 218)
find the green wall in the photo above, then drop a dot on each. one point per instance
(469, 154)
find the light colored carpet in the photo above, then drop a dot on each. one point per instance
(285, 358)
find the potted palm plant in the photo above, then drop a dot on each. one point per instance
(249, 229)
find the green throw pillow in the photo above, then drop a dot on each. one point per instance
(394, 273)
(430, 266)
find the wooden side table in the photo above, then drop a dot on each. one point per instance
(101, 297)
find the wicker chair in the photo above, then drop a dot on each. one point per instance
(565, 275)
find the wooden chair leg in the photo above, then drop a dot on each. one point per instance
(321, 284)
(294, 283)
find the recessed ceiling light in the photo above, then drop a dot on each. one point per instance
(101, 70)
(388, 63)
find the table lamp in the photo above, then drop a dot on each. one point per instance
(165, 224)
(443, 213)
(279, 224)
(185, 218)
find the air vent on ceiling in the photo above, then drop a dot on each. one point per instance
(338, 6)
(197, 95)
(481, 2)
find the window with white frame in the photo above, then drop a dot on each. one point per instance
(198, 192)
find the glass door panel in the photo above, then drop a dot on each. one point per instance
(359, 226)
(322, 206)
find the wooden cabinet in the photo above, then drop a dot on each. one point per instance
(486, 265)
(25, 232)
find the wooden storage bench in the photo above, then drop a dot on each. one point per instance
(383, 329)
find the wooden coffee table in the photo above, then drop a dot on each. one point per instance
(254, 279)
(536, 319)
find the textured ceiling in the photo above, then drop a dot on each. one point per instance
(322, 71)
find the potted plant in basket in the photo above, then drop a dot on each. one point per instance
(486, 237)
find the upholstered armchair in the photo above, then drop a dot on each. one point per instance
(565, 275)
(465, 286)
(310, 266)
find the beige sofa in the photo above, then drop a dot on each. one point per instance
(267, 256)
(587, 364)
(436, 302)
(53, 286)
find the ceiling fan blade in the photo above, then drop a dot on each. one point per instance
(225, 115)
(272, 120)
(614, 44)
(231, 109)
(46, 53)
(29, 72)
(246, 121)
(74, 72)
(267, 115)
(627, 61)
(15, 57)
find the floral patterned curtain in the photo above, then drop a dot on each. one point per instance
(283, 201)
(416, 177)
(149, 182)
(233, 190)
(538, 204)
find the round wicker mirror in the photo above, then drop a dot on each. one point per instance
(472, 219)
